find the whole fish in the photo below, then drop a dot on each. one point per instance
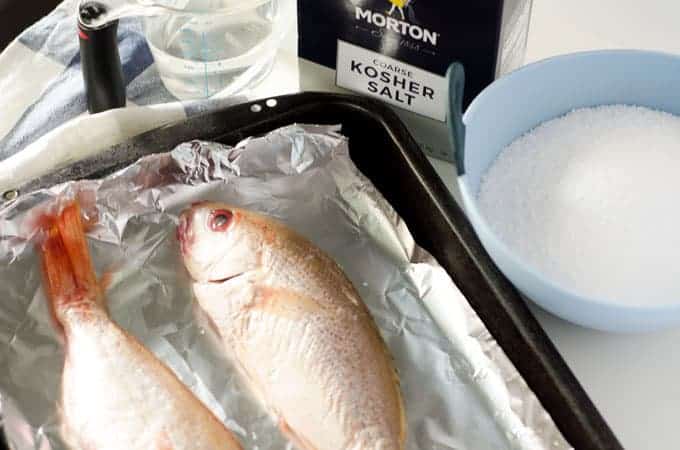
(297, 329)
(115, 393)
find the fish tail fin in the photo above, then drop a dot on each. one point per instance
(72, 231)
(68, 272)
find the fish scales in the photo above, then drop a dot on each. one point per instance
(295, 325)
(116, 394)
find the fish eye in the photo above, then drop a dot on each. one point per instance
(220, 219)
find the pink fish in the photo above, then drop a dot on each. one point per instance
(115, 393)
(296, 327)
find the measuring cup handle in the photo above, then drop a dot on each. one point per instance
(100, 62)
(454, 120)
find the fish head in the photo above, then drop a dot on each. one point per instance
(218, 242)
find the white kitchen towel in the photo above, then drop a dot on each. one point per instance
(44, 123)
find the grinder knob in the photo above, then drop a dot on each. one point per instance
(100, 60)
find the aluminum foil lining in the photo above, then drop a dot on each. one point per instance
(460, 390)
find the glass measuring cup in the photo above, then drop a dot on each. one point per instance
(204, 48)
(205, 54)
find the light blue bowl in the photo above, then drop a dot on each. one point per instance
(520, 101)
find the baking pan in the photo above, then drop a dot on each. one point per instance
(385, 152)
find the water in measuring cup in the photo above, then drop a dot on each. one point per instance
(207, 54)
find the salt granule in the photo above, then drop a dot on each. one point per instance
(592, 201)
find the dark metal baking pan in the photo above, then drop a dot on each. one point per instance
(386, 153)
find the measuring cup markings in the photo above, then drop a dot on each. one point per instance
(224, 50)
(205, 47)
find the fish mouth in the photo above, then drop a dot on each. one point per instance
(226, 279)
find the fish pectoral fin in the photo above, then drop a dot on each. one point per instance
(285, 303)
(299, 441)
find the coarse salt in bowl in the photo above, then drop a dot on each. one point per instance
(568, 175)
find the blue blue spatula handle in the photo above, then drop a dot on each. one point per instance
(456, 78)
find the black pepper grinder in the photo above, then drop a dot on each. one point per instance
(100, 60)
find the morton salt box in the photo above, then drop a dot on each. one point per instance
(398, 51)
